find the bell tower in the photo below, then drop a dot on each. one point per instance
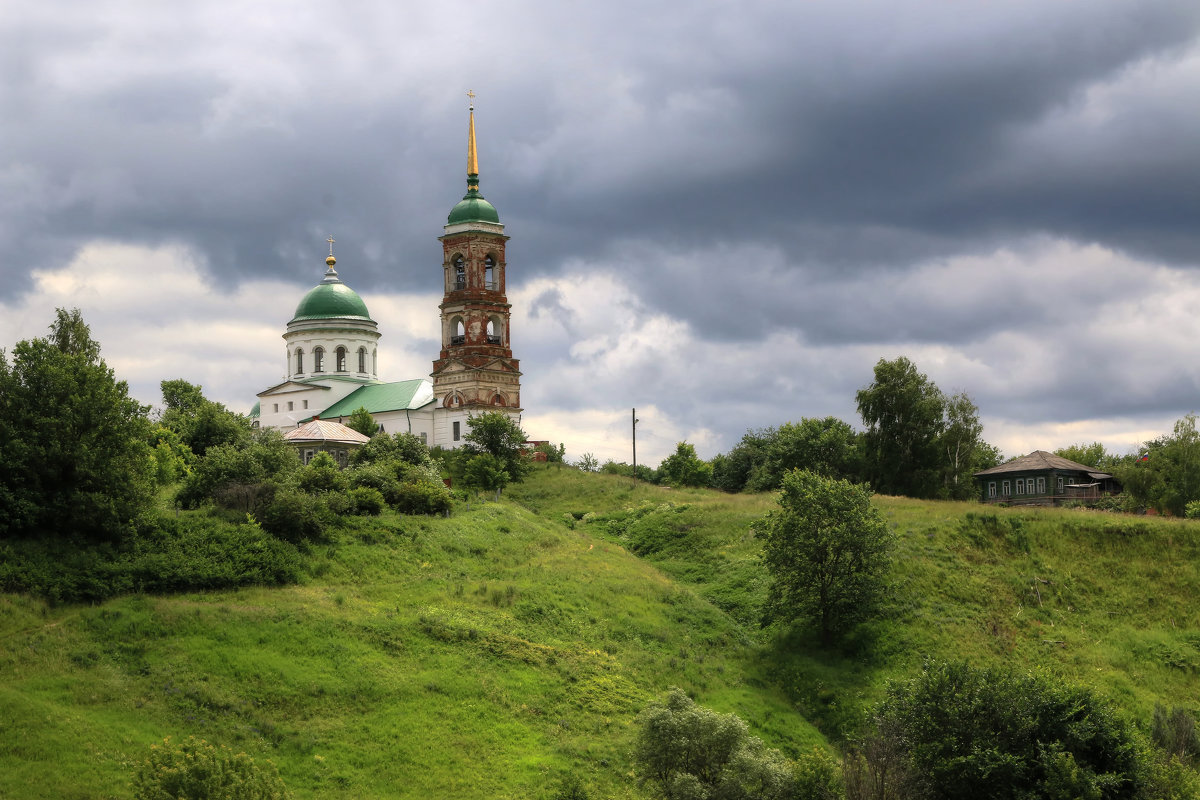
(475, 371)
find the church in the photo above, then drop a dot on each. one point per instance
(332, 352)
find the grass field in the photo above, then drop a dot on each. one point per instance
(488, 654)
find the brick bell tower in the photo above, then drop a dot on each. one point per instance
(476, 371)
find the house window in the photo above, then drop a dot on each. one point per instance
(456, 430)
(289, 405)
(1006, 488)
(991, 488)
(1060, 484)
(1020, 486)
(318, 360)
(308, 456)
(341, 359)
(1041, 484)
(362, 359)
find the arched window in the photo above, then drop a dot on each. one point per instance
(489, 274)
(374, 362)
(341, 359)
(299, 362)
(497, 400)
(460, 273)
(453, 400)
(318, 359)
(459, 332)
(362, 359)
(493, 331)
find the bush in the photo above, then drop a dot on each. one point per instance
(378, 476)
(321, 475)
(197, 770)
(367, 501)
(1175, 732)
(423, 498)
(295, 516)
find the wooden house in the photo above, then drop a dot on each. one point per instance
(1042, 478)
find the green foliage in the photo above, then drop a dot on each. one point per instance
(571, 788)
(554, 455)
(1090, 455)
(321, 475)
(74, 458)
(172, 458)
(1169, 478)
(963, 450)
(496, 434)
(380, 476)
(687, 752)
(995, 733)
(588, 463)
(684, 468)
(827, 551)
(486, 472)
(1192, 510)
(903, 414)
(197, 770)
(367, 501)
(200, 423)
(642, 473)
(236, 475)
(826, 446)
(193, 552)
(423, 497)
(296, 516)
(1175, 732)
(362, 421)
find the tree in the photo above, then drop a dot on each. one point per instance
(1168, 477)
(587, 463)
(486, 471)
(74, 452)
(362, 421)
(688, 752)
(684, 468)
(827, 550)
(732, 471)
(1090, 455)
(826, 446)
(903, 414)
(961, 445)
(201, 423)
(496, 433)
(995, 733)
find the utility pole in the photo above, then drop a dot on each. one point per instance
(633, 416)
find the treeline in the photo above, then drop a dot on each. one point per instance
(916, 441)
(100, 497)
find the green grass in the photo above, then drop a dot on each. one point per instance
(488, 654)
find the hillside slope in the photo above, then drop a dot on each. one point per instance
(479, 656)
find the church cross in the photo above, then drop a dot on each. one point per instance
(331, 240)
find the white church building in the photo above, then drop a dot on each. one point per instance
(332, 343)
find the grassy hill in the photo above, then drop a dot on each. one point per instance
(488, 654)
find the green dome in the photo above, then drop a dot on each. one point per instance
(332, 299)
(473, 208)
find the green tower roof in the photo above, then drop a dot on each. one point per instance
(473, 208)
(332, 299)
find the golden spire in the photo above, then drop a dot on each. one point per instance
(472, 156)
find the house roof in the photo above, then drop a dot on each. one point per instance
(380, 397)
(1041, 460)
(325, 432)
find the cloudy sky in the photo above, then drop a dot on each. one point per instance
(722, 213)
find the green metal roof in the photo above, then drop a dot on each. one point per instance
(379, 397)
(473, 208)
(330, 300)
(256, 411)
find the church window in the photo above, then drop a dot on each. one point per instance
(457, 430)
(276, 406)
(290, 405)
(497, 400)
(299, 362)
(306, 404)
(493, 331)
(341, 359)
(362, 359)
(460, 273)
(489, 274)
(423, 438)
(318, 360)
(460, 332)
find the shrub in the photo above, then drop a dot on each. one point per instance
(321, 475)
(197, 770)
(423, 498)
(378, 476)
(1175, 732)
(367, 501)
(295, 516)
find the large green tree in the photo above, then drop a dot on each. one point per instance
(903, 412)
(827, 446)
(495, 433)
(962, 448)
(74, 455)
(685, 468)
(1168, 477)
(827, 550)
(201, 423)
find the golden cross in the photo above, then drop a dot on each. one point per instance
(471, 95)
(331, 240)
